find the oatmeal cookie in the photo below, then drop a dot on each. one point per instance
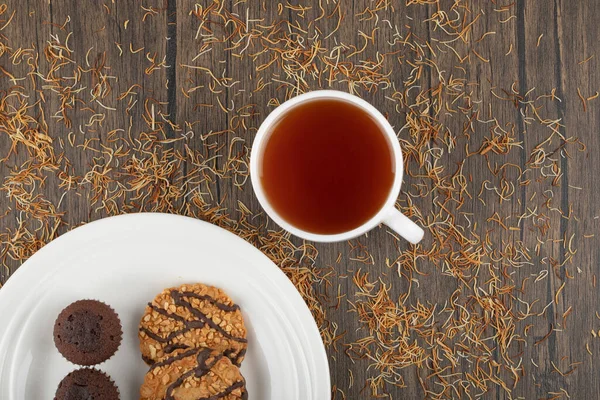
(194, 374)
(192, 316)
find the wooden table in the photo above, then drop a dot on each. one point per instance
(148, 97)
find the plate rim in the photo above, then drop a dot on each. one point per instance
(21, 277)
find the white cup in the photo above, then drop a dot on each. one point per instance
(387, 214)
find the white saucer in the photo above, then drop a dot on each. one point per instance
(125, 261)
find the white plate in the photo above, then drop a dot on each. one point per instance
(125, 261)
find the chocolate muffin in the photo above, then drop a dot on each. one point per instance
(87, 384)
(87, 332)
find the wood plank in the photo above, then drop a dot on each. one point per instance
(30, 29)
(575, 45)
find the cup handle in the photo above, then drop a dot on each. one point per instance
(402, 225)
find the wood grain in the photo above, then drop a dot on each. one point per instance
(543, 46)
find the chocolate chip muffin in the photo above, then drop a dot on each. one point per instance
(87, 332)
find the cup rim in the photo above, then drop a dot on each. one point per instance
(258, 147)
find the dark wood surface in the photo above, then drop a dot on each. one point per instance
(540, 45)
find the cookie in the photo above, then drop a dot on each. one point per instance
(87, 332)
(194, 374)
(87, 384)
(192, 316)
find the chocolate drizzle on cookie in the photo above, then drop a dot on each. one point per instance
(235, 358)
(172, 359)
(203, 320)
(203, 368)
(194, 338)
(219, 305)
(227, 391)
(178, 299)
